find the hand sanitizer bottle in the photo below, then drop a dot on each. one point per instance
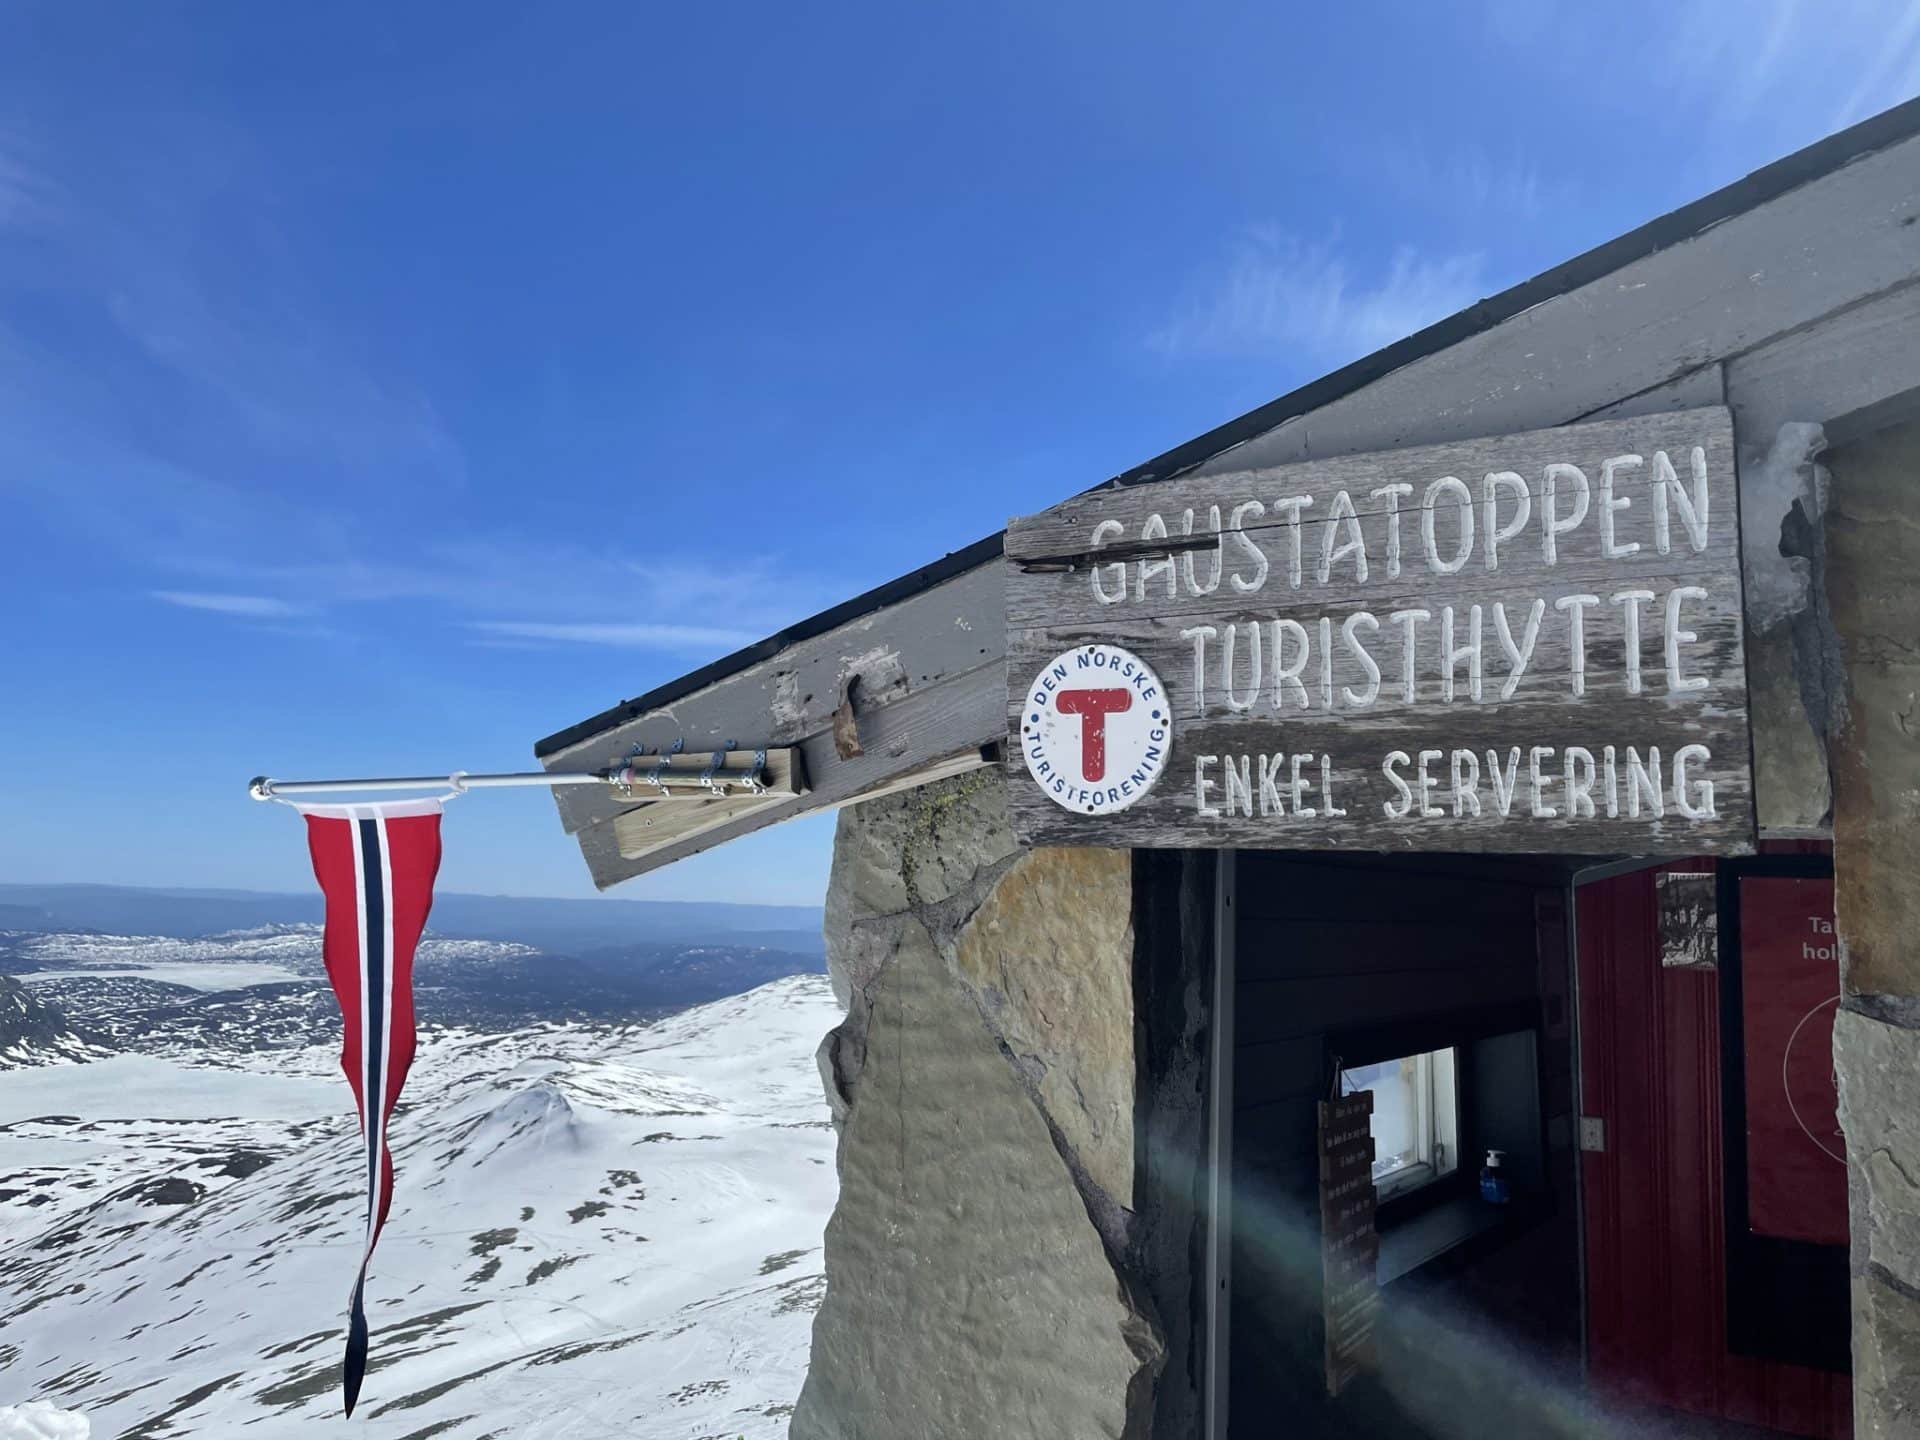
(1493, 1179)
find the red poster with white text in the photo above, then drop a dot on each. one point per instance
(1790, 989)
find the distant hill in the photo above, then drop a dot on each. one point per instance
(562, 926)
(32, 1032)
(598, 1230)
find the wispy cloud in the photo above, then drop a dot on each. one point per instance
(1757, 77)
(250, 607)
(1892, 70)
(1804, 67)
(517, 594)
(1464, 183)
(1275, 293)
(28, 198)
(632, 636)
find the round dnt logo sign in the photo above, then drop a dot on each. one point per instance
(1096, 729)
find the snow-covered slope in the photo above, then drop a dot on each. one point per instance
(596, 1232)
(32, 1032)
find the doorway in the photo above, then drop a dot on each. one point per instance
(1441, 986)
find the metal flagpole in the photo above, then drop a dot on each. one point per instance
(647, 776)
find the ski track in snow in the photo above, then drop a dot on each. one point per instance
(597, 1230)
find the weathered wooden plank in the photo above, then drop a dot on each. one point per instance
(926, 641)
(664, 819)
(927, 727)
(1845, 363)
(1429, 691)
(1695, 390)
(638, 833)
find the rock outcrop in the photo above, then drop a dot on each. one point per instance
(984, 1085)
(1873, 549)
(33, 1032)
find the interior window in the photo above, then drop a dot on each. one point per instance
(1416, 1126)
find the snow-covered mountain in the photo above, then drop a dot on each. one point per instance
(597, 1230)
(33, 1032)
(265, 988)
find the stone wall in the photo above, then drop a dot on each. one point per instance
(1873, 589)
(984, 1085)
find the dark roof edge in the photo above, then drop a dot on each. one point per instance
(957, 562)
(1769, 182)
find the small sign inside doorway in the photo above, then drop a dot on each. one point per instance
(1349, 1245)
(1689, 919)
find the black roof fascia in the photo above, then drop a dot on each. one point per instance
(1765, 184)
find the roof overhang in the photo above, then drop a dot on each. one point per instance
(1790, 296)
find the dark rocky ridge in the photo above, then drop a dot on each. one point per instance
(32, 1028)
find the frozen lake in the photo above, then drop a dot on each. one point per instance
(142, 1087)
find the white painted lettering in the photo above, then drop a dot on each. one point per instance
(1538, 781)
(1553, 527)
(1219, 554)
(1327, 807)
(1326, 663)
(1609, 505)
(1643, 783)
(1248, 509)
(1456, 490)
(1490, 502)
(1694, 801)
(1503, 784)
(1451, 655)
(1270, 786)
(1409, 623)
(1297, 789)
(1355, 545)
(1155, 529)
(1517, 655)
(1676, 637)
(1286, 674)
(1360, 699)
(1575, 608)
(1397, 810)
(1578, 763)
(1116, 570)
(1669, 491)
(1426, 782)
(1392, 494)
(1239, 784)
(1203, 786)
(1466, 783)
(1630, 602)
(1291, 506)
(1227, 641)
(1200, 635)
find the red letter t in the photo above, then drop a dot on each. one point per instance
(1093, 707)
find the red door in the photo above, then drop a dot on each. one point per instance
(1655, 1207)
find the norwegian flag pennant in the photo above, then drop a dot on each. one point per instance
(376, 866)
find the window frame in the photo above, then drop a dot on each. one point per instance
(1429, 1165)
(1460, 1030)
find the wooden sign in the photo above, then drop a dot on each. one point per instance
(1530, 643)
(1349, 1246)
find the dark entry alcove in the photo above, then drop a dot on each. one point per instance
(1442, 984)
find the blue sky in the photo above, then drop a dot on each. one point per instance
(350, 360)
